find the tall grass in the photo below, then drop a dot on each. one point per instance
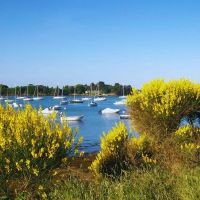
(136, 185)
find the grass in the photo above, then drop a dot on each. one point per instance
(136, 185)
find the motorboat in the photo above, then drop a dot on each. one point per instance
(71, 118)
(92, 104)
(125, 116)
(28, 99)
(86, 98)
(110, 111)
(48, 111)
(119, 103)
(9, 101)
(56, 107)
(63, 102)
(100, 99)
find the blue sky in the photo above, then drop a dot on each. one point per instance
(81, 41)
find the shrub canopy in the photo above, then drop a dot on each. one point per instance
(159, 107)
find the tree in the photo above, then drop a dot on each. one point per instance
(159, 107)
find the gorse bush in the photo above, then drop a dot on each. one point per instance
(159, 107)
(31, 146)
(120, 152)
(111, 159)
(188, 139)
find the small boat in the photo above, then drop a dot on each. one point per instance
(20, 94)
(71, 118)
(63, 102)
(1, 98)
(15, 105)
(86, 98)
(76, 100)
(9, 101)
(110, 111)
(123, 96)
(56, 107)
(119, 103)
(125, 116)
(100, 99)
(58, 97)
(37, 98)
(92, 104)
(27, 98)
(48, 111)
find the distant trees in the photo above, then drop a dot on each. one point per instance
(80, 89)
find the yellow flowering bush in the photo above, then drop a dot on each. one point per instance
(159, 106)
(188, 138)
(31, 146)
(111, 159)
(120, 152)
(140, 152)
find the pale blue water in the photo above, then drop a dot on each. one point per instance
(93, 124)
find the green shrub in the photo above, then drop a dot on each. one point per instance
(31, 146)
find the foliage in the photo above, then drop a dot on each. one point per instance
(31, 146)
(159, 107)
(110, 160)
(188, 138)
(157, 184)
(121, 152)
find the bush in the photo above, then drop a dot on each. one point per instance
(111, 159)
(120, 152)
(188, 139)
(31, 146)
(159, 107)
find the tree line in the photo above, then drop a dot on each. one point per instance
(99, 88)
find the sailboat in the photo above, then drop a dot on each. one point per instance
(99, 98)
(57, 97)
(37, 98)
(63, 101)
(92, 103)
(123, 96)
(7, 99)
(28, 98)
(76, 100)
(1, 97)
(20, 94)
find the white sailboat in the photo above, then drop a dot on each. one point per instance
(123, 96)
(28, 98)
(7, 100)
(76, 100)
(57, 96)
(99, 98)
(120, 103)
(1, 97)
(37, 98)
(92, 103)
(63, 101)
(20, 94)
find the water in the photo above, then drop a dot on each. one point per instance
(93, 124)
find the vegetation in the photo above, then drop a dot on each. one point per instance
(162, 163)
(31, 147)
(67, 90)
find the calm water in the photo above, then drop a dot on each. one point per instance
(93, 124)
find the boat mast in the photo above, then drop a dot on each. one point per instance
(15, 94)
(123, 90)
(74, 92)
